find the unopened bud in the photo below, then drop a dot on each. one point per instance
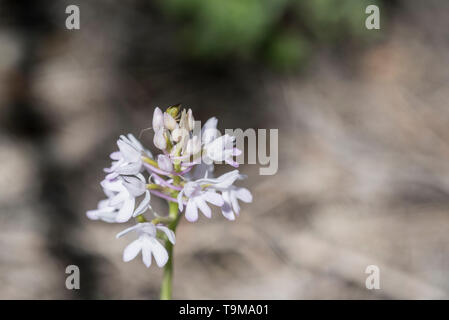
(169, 121)
(173, 110)
(159, 139)
(164, 163)
(158, 119)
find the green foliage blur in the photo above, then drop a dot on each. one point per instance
(282, 33)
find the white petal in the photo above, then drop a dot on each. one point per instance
(228, 141)
(128, 152)
(119, 198)
(148, 228)
(203, 206)
(202, 170)
(226, 209)
(116, 155)
(126, 211)
(190, 120)
(231, 162)
(136, 143)
(193, 146)
(244, 195)
(125, 139)
(192, 189)
(122, 233)
(226, 180)
(143, 206)
(180, 202)
(109, 194)
(159, 252)
(92, 214)
(146, 252)
(135, 185)
(235, 203)
(111, 176)
(213, 198)
(220, 148)
(106, 214)
(103, 204)
(115, 186)
(227, 212)
(130, 168)
(132, 250)
(236, 152)
(191, 211)
(115, 164)
(226, 197)
(214, 151)
(169, 233)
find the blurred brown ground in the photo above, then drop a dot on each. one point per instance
(363, 165)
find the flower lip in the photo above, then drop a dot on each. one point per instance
(147, 243)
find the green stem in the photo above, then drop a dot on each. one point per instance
(166, 286)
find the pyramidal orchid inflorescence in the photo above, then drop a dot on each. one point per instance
(182, 174)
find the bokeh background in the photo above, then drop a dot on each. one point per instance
(363, 121)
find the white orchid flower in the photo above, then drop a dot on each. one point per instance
(221, 149)
(103, 212)
(197, 199)
(147, 243)
(229, 192)
(231, 207)
(209, 132)
(123, 198)
(128, 160)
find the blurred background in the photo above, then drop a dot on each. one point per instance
(363, 125)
